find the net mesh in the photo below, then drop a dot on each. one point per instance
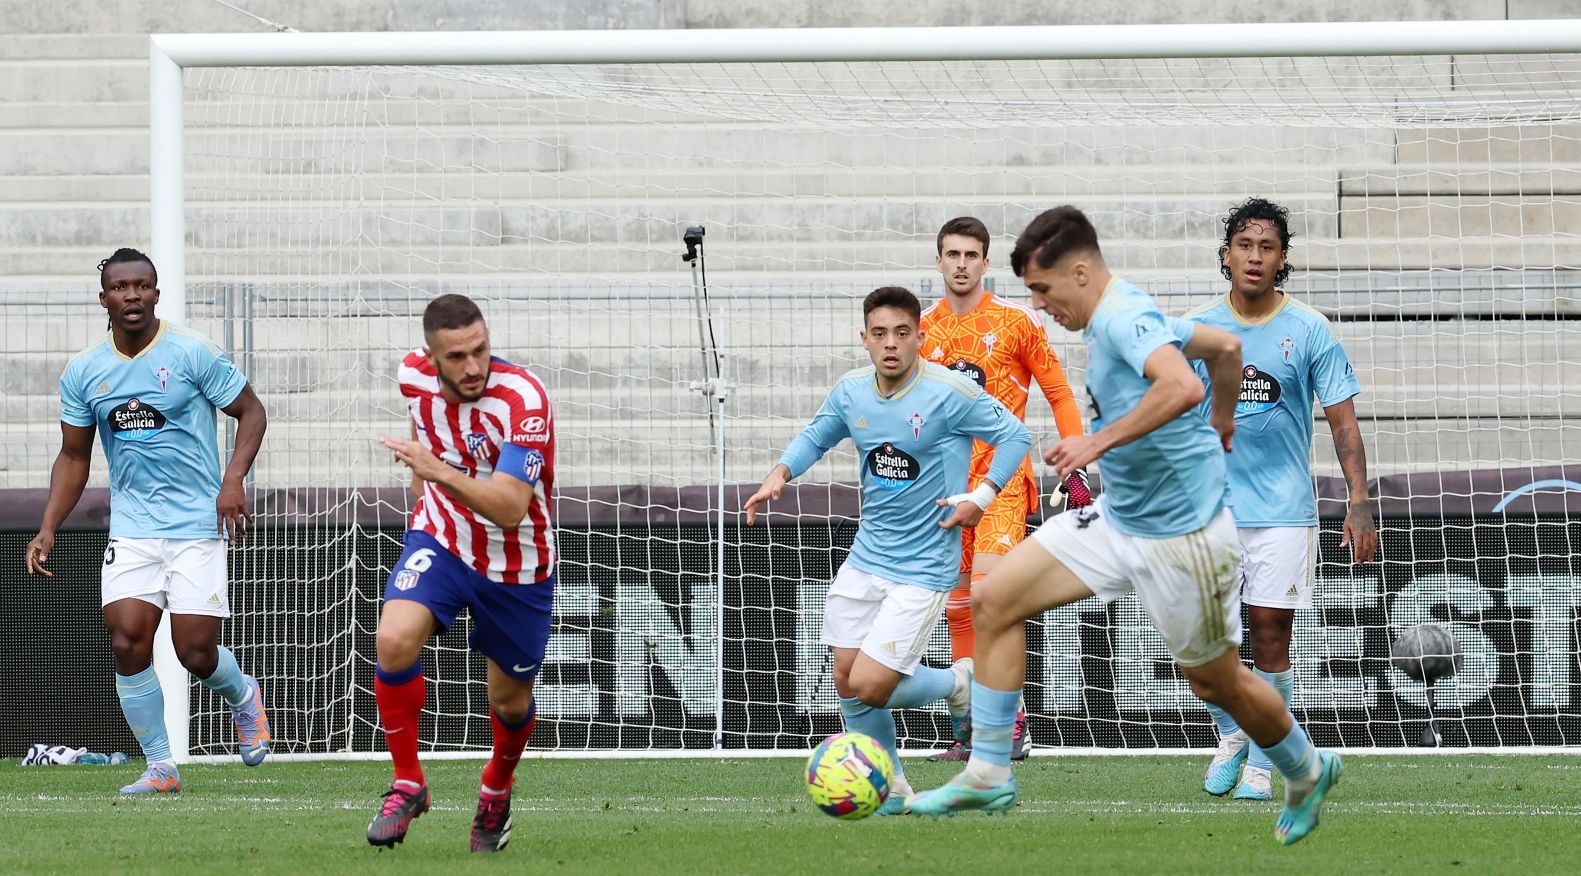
(1433, 201)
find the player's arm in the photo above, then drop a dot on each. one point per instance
(67, 478)
(1336, 386)
(1040, 360)
(1361, 531)
(821, 435)
(1044, 366)
(987, 420)
(251, 423)
(1174, 388)
(503, 498)
(1220, 351)
(417, 482)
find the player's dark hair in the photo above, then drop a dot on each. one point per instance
(892, 296)
(450, 312)
(1053, 235)
(966, 226)
(126, 254)
(1252, 210)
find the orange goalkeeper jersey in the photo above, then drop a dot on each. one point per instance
(1001, 345)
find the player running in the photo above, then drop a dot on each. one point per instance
(912, 423)
(1161, 528)
(1001, 345)
(1289, 354)
(482, 462)
(150, 389)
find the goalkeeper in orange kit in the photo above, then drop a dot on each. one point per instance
(1001, 345)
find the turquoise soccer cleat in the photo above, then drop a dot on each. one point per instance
(1295, 823)
(1226, 764)
(1256, 784)
(953, 798)
(895, 804)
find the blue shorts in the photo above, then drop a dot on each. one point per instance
(510, 622)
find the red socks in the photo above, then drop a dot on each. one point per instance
(400, 697)
(509, 741)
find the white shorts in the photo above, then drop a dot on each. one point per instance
(889, 621)
(185, 575)
(1188, 583)
(1276, 566)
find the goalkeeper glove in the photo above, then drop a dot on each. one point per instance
(1077, 493)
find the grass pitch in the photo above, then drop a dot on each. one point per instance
(1107, 815)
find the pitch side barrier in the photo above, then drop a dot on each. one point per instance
(634, 657)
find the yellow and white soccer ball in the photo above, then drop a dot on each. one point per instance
(849, 775)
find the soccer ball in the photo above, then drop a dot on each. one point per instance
(1426, 652)
(849, 775)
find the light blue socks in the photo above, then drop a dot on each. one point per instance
(228, 681)
(143, 704)
(925, 687)
(1282, 682)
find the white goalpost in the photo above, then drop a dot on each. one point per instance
(310, 193)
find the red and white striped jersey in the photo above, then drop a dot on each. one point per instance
(514, 409)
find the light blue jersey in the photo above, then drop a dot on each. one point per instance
(155, 415)
(1286, 359)
(1170, 481)
(915, 447)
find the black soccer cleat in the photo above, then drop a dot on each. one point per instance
(399, 809)
(491, 827)
(1020, 737)
(958, 751)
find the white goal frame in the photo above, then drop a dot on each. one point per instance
(171, 54)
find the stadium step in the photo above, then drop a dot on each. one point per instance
(678, 451)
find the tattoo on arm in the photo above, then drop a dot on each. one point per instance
(1352, 456)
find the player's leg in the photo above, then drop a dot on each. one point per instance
(423, 595)
(958, 617)
(876, 721)
(1224, 768)
(199, 602)
(1270, 630)
(1190, 589)
(512, 714)
(1003, 527)
(851, 604)
(133, 596)
(884, 672)
(1308, 773)
(958, 610)
(1062, 563)
(510, 625)
(1283, 584)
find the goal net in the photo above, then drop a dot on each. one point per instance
(1435, 201)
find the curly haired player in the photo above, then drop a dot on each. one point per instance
(1290, 355)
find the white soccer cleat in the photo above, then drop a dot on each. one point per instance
(1226, 763)
(1256, 784)
(159, 778)
(960, 700)
(899, 792)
